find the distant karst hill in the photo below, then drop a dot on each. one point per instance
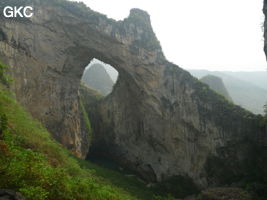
(244, 93)
(97, 78)
(216, 83)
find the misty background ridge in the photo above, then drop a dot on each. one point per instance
(246, 89)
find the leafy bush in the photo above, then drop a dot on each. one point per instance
(3, 123)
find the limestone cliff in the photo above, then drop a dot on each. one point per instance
(158, 121)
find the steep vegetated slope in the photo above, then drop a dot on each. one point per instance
(159, 121)
(217, 85)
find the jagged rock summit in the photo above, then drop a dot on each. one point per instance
(159, 120)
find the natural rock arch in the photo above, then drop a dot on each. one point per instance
(48, 54)
(158, 121)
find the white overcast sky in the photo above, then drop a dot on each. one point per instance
(201, 34)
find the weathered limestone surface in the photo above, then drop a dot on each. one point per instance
(158, 121)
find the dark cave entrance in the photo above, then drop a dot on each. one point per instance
(99, 76)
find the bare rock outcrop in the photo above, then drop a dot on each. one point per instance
(158, 121)
(10, 195)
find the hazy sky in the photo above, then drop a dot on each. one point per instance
(201, 34)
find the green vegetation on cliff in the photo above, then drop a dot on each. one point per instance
(86, 120)
(4, 78)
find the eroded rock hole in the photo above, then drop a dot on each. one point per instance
(100, 77)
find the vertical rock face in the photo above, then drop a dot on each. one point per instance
(158, 121)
